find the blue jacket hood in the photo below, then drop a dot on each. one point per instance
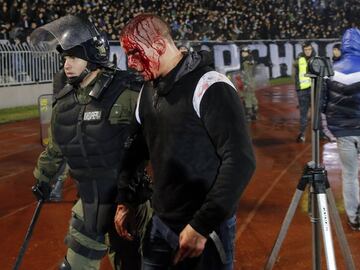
(350, 49)
(343, 95)
(351, 42)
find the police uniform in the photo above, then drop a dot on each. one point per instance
(88, 133)
(250, 100)
(89, 126)
(59, 82)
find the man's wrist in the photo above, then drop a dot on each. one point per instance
(202, 229)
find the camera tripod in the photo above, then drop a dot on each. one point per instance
(315, 176)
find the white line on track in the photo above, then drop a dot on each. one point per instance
(251, 215)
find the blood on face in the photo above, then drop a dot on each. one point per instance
(138, 39)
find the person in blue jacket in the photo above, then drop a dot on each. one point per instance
(343, 118)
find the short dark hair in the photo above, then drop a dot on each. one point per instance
(306, 44)
(147, 22)
(337, 46)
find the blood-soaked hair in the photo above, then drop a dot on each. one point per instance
(147, 28)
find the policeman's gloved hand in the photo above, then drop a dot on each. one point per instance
(42, 191)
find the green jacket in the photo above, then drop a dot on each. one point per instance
(248, 66)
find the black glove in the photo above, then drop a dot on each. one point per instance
(142, 187)
(42, 191)
(138, 192)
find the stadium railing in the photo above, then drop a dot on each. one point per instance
(22, 64)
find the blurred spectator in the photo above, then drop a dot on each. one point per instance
(4, 14)
(5, 31)
(198, 19)
(183, 49)
(248, 78)
(336, 52)
(114, 59)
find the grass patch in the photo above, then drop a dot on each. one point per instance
(282, 80)
(18, 113)
(29, 112)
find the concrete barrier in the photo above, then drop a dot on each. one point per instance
(23, 95)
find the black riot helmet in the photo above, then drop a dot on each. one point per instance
(95, 51)
(75, 36)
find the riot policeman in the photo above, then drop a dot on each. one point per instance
(89, 125)
(248, 70)
(59, 82)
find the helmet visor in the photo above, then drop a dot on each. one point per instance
(68, 31)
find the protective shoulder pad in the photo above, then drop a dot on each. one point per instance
(130, 80)
(102, 83)
(63, 92)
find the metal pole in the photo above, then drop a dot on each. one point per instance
(28, 235)
(344, 246)
(316, 241)
(326, 231)
(284, 229)
(319, 209)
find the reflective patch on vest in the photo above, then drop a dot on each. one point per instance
(305, 82)
(92, 116)
(207, 80)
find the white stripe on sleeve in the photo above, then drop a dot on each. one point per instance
(204, 83)
(346, 79)
(137, 115)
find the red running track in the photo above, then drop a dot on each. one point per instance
(280, 161)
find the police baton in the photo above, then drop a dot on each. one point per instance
(29, 232)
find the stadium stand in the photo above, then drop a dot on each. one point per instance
(201, 20)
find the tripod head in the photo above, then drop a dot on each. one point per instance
(319, 68)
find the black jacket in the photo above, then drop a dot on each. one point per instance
(343, 89)
(198, 143)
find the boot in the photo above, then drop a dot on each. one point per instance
(324, 137)
(254, 114)
(65, 265)
(300, 138)
(56, 193)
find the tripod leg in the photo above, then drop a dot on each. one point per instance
(28, 235)
(326, 230)
(316, 240)
(284, 228)
(345, 249)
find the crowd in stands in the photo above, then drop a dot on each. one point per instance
(192, 20)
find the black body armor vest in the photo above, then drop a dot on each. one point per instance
(90, 144)
(92, 147)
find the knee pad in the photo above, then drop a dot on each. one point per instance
(65, 265)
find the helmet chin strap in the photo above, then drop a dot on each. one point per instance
(75, 81)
